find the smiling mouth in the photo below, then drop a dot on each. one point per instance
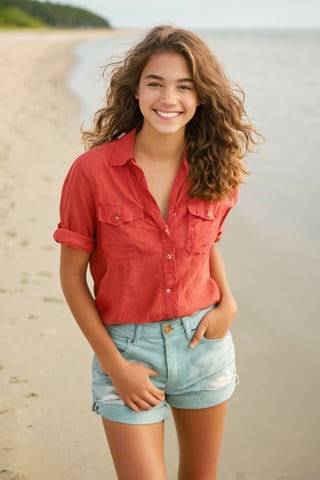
(167, 114)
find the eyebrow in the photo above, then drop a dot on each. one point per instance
(157, 77)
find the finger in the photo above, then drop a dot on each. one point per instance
(157, 392)
(197, 337)
(133, 406)
(143, 405)
(154, 400)
(150, 399)
(138, 404)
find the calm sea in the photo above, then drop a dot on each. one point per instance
(280, 73)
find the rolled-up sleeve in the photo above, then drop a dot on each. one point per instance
(77, 226)
(231, 203)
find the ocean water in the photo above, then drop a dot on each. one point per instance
(279, 71)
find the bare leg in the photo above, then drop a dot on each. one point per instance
(200, 437)
(137, 450)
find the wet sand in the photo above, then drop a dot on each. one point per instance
(47, 430)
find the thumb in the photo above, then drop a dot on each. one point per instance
(197, 337)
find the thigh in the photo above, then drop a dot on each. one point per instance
(200, 433)
(137, 450)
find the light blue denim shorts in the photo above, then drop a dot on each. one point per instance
(191, 378)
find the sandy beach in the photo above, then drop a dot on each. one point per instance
(47, 430)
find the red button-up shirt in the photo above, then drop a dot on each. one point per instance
(145, 268)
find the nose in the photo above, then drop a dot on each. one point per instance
(168, 96)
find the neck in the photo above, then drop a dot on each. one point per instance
(159, 147)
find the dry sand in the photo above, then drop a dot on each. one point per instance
(47, 430)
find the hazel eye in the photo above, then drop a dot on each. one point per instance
(184, 87)
(154, 84)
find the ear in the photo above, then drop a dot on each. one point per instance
(136, 94)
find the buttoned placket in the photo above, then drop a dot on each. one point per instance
(170, 274)
(169, 263)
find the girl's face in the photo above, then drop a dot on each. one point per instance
(166, 93)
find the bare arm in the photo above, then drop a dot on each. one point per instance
(131, 380)
(73, 268)
(218, 272)
(216, 323)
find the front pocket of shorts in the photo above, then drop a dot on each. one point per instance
(210, 340)
(122, 343)
(121, 230)
(215, 340)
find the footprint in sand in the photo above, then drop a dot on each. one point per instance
(45, 274)
(53, 299)
(18, 380)
(11, 475)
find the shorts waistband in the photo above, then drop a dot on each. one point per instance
(136, 331)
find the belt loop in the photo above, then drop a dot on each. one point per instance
(137, 333)
(186, 326)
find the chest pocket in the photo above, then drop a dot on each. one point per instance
(204, 219)
(121, 230)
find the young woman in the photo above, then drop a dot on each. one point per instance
(144, 207)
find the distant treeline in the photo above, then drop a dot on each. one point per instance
(30, 13)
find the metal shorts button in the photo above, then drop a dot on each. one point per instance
(167, 329)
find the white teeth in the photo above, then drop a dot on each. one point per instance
(167, 114)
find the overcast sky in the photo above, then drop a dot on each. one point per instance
(205, 13)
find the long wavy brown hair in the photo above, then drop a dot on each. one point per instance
(218, 136)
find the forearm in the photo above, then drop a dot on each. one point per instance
(216, 323)
(219, 274)
(131, 380)
(86, 314)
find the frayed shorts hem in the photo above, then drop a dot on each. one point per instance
(124, 414)
(203, 399)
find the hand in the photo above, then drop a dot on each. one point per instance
(216, 323)
(133, 384)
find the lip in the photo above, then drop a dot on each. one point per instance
(167, 115)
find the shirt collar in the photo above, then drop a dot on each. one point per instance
(124, 150)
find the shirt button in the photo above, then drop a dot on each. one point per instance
(168, 290)
(209, 214)
(174, 214)
(117, 217)
(166, 231)
(169, 256)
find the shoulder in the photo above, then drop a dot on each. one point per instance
(112, 153)
(230, 201)
(233, 197)
(95, 157)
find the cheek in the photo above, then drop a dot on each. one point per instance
(192, 107)
(145, 98)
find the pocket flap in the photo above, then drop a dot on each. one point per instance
(116, 214)
(203, 209)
